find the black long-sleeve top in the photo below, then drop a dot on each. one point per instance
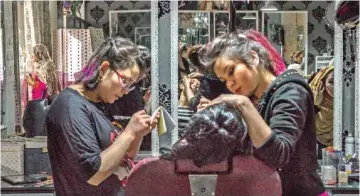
(287, 107)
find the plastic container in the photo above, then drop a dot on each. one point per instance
(328, 174)
(348, 168)
(349, 145)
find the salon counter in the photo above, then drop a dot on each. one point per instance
(23, 189)
(26, 189)
(351, 189)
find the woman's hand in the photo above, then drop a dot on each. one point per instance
(203, 103)
(29, 79)
(319, 94)
(195, 75)
(140, 124)
(236, 100)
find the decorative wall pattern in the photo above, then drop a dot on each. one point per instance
(127, 24)
(97, 12)
(320, 35)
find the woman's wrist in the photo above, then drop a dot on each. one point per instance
(128, 135)
(243, 103)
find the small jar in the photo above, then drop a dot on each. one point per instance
(328, 174)
(343, 178)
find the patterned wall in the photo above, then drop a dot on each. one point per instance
(131, 25)
(97, 12)
(320, 35)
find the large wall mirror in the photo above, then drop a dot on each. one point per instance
(287, 31)
(194, 27)
(136, 26)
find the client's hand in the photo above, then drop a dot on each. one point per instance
(203, 103)
(140, 124)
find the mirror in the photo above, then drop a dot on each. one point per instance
(244, 20)
(136, 26)
(194, 27)
(347, 14)
(194, 31)
(287, 32)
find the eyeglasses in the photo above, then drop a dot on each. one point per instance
(126, 82)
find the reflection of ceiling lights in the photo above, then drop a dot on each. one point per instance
(268, 6)
(249, 16)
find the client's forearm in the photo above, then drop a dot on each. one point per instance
(112, 157)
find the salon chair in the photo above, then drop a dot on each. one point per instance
(243, 175)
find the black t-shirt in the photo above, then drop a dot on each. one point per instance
(77, 133)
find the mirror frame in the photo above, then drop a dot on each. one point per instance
(305, 13)
(241, 12)
(338, 86)
(357, 93)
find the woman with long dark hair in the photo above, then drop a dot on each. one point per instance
(278, 109)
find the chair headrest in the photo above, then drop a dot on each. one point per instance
(188, 166)
(248, 176)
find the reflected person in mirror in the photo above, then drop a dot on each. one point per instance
(323, 88)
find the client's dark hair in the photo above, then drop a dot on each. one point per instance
(194, 57)
(210, 137)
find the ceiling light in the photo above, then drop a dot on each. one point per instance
(249, 16)
(268, 6)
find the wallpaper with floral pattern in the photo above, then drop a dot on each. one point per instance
(320, 35)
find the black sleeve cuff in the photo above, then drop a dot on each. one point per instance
(265, 152)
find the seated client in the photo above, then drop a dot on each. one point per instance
(211, 136)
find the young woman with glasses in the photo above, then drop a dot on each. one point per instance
(85, 148)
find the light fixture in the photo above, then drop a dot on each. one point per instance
(249, 16)
(268, 6)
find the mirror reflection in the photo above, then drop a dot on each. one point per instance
(195, 83)
(287, 32)
(136, 26)
(244, 20)
(194, 27)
